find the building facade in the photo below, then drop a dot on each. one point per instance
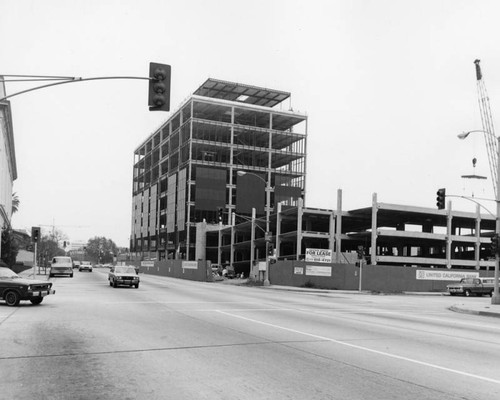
(231, 151)
(8, 170)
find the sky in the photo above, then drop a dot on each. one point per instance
(387, 86)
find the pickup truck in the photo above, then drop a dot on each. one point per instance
(472, 287)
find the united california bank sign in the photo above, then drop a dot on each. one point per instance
(319, 255)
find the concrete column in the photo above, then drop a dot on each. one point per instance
(231, 252)
(449, 232)
(373, 246)
(278, 230)
(299, 227)
(252, 240)
(477, 247)
(337, 219)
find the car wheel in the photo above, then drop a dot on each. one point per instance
(79, 270)
(136, 286)
(71, 275)
(12, 298)
(114, 284)
(468, 293)
(36, 300)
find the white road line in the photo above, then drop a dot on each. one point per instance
(383, 353)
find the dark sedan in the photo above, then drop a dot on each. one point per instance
(13, 288)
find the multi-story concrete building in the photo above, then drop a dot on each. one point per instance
(229, 152)
(8, 170)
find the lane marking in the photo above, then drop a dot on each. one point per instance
(382, 353)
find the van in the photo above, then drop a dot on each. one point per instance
(61, 266)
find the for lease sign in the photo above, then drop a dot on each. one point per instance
(319, 255)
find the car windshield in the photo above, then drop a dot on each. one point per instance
(6, 273)
(125, 270)
(61, 260)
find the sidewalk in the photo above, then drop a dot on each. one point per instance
(28, 274)
(486, 309)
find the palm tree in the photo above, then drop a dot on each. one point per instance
(15, 203)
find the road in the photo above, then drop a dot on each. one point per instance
(175, 339)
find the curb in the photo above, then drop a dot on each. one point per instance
(458, 309)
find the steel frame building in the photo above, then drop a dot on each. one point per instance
(390, 234)
(221, 129)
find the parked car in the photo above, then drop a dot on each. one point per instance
(76, 264)
(472, 287)
(61, 265)
(13, 288)
(123, 275)
(85, 266)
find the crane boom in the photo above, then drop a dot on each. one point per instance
(488, 128)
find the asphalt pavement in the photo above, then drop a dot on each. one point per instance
(484, 308)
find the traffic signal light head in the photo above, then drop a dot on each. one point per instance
(441, 198)
(220, 213)
(361, 252)
(35, 234)
(159, 87)
(494, 244)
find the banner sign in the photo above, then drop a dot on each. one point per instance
(319, 255)
(190, 264)
(314, 270)
(430, 275)
(147, 264)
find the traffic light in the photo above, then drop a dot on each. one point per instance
(64, 245)
(220, 213)
(35, 234)
(494, 244)
(159, 87)
(440, 199)
(361, 252)
(270, 250)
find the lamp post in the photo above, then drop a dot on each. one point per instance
(268, 211)
(495, 298)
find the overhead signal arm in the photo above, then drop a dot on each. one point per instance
(159, 84)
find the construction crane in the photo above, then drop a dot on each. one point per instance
(488, 128)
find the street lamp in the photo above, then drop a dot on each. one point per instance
(268, 211)
(495, 298)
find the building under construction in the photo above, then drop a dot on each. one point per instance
(229, 150)
(223, 181)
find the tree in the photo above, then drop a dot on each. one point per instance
(101, 250)
(15, 203)
(48, 248)
(9, 247)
